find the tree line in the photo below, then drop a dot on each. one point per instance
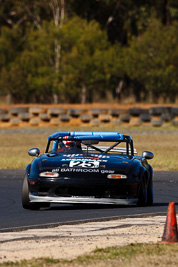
(75, 51)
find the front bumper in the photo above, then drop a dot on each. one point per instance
(84, 187)
(82, 200)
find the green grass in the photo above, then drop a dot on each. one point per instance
(135, 255)
(163, 143)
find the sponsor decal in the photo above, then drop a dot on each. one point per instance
(100, 156)
(79, 170)
(82, 156)
(87, 170)
(107, 171)
(84, 159)
(55, 170)
(84, 164)
(73, 155)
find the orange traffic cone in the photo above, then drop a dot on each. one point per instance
(170, 234)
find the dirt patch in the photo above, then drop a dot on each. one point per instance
(70, 241)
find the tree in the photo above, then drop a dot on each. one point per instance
(32, 69)
(86, 64)
(123, 19)
(87, 61)
(152, 60)
(10, 45)
(55, 53)
(10, 48)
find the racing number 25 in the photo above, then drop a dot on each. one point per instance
(84, 164)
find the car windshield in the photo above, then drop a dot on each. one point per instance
(82, 147)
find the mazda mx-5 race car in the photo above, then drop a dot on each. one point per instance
(88, 168)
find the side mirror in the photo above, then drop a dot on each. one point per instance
(34, 152)
(147, 155)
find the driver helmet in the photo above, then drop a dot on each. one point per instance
(69, 144)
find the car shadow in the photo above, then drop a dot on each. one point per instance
(87, 206)
(83, 206)
(100, 207)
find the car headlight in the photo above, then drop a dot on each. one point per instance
(49, 174)
(117, 176)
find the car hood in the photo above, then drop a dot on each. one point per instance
(51, 161)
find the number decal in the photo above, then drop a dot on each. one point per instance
(84, 164)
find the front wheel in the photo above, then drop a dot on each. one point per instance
(142, 193)
(26, 204)
(150, 193)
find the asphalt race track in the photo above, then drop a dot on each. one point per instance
(14, 217)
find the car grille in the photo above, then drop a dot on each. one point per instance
(71, 191)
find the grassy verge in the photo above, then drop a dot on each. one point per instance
(135, 255)
(14, 148)
(164, 145)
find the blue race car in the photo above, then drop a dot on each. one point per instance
(88, 168)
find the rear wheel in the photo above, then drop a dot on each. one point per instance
(150, 192)
(26, 201)
(142, 193)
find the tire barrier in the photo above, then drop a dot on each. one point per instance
(35, 122)
(105, 118)
(2, 111)
(156, 122)
(75, 112)
(64, 118)
(116, 112)
(145, 118)
(156, 111)
(44, 117)
(25, 116)
(86, 118)
(36, 110)
(95, 122)
(5, 117)
(55, 112)
(95, 112)
(54, 122)
(15, 122)
(16, 111)
(53, 116)
(125, 118)
(135, 112)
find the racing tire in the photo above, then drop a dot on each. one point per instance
(65, 118)
(116, 112)
(150, 193)
(142, 193)
(17, 110)
(174, 111)
(3, 111)
(55, 112)
(26, 204)
(75, 112)
(145, 117)
(135, 111)
(25, 116)
(155, 111)
(96, 112)
(86, 118)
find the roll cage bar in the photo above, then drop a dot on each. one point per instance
(98, 136)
